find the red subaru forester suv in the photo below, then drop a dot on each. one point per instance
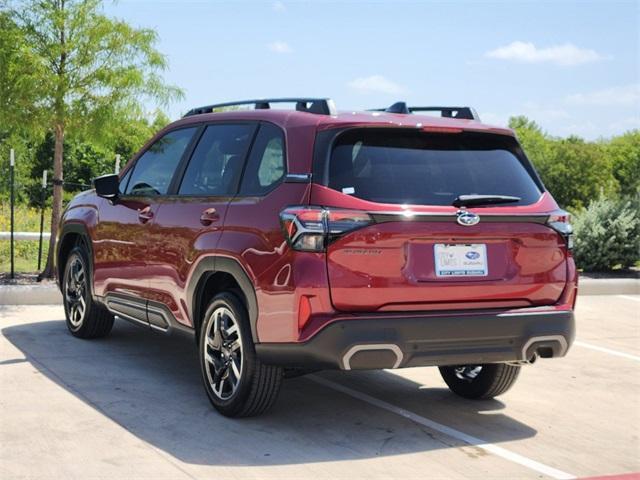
(289, 241)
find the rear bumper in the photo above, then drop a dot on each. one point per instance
(384, 342)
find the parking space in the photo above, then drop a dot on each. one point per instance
(131, 406)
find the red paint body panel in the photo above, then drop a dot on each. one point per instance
(178, 239)
(253, 236)
(120, 245)
(390, 267)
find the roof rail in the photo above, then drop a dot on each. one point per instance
(320, 106)
(466, 113)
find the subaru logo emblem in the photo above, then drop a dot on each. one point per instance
(472, 255)
(467, 218)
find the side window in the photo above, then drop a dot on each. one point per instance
(124, 180)
(153, 171)
(266, 164)
(216, 164)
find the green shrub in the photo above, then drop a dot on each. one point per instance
(607, 235)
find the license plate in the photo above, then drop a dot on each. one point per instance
(456, 260)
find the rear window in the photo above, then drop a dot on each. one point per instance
(413, 167)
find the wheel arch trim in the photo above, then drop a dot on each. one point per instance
(73, 229)
(210, 265)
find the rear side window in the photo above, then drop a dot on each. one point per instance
(154, 170)
(413, 167)
(216, 164)
(266, 164)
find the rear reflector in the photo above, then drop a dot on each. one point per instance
(304, 312)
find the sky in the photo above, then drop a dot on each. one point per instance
(573, 67)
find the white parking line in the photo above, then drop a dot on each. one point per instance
(607, 350)
(630, 297)
(451, 432)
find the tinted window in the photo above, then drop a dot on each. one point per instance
(266, 164)
(153, 171)
(124, 180)
(216, 164)
(412, 167)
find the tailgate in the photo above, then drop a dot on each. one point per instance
(392, 266)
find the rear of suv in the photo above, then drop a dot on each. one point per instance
(290, 241)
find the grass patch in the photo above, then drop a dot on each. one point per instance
(27, 219)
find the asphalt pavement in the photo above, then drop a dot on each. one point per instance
(132, 406)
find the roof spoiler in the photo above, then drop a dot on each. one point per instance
(319, 106)
(466, 113)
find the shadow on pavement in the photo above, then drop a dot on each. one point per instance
(150, 385)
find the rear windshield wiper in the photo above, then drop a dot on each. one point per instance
(475, 200)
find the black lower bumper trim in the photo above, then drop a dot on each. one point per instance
(375, 343)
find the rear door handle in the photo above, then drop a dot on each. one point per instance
(209, 216)
(145, 214)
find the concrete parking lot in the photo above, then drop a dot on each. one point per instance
(131, 406)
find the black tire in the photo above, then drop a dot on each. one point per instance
(94, 321)
(491, 380)
(257, 388)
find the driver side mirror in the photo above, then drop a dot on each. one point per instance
(107, 186)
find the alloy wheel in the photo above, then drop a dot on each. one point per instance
(468, 373)
(223, 353)
(75, 291)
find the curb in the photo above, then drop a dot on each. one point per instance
(609, 286)
(49, 294)
(30, 294)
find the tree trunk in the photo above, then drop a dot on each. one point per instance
(58, 153)
(56, 209)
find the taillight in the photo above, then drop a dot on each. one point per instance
(560, 222)
(311, 229)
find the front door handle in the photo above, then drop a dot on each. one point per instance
(145, 214)
(209, 216)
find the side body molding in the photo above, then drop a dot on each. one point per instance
(210, 265)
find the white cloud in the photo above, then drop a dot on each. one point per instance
(279, 7)
(279, 47)
(526, 52)
(627, 95)
(376, 84)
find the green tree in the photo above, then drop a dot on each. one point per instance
(578, 172)
(93, 66)
(624, 153)
(19, 126)
(20, 81)
(575, 172)
(534, 141)
(131, 133)
(85, 159)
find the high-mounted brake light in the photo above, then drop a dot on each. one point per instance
(560, 222)
(441, 130)
(311, 229)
